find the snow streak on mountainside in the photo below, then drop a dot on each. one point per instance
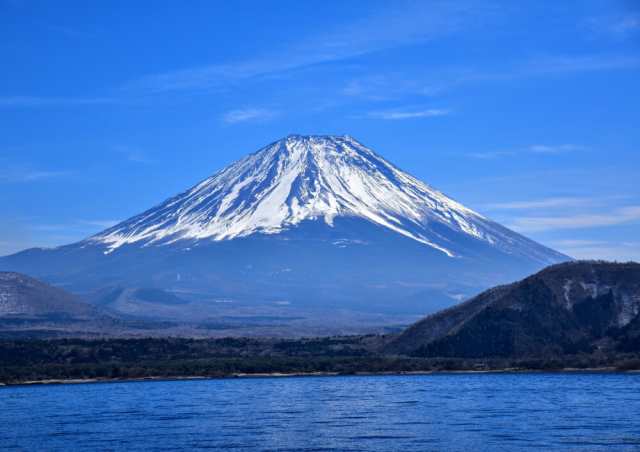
(303, 178)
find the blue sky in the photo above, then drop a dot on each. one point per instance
(527, 112)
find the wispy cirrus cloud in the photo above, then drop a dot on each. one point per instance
(70, 32)
(18, 175)
(490, 155)
(626, 24)
(577, 63)
(385, 86)
(104, 224)
(395, 115)
(534, 148)
(617, 26)
(132, 154)
(249, 114)
(547, 203)
(393, 26)
(34, 101)
(616, 216)
(555, 149)
(546, 65)
(17, 234)
(380, 87)
(599, 249)
(75, 226)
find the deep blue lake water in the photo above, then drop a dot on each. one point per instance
(457, 412)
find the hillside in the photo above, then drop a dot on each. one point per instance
(579, 315)
(576, 307)
(23, 296)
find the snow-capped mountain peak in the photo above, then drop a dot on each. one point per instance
(303, 226)
(302, 178)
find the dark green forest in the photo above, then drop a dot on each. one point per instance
(64, 359)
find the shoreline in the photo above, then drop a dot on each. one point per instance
(74, 381)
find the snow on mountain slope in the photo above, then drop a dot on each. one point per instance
(306, 225)
(302, 178)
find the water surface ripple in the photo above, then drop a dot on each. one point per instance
(444, 412)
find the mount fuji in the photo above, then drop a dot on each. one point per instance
(306, 224)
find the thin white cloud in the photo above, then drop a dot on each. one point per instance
(490, 155)
(630, 23)
(577, 63)
(80, 226)
(394, 115)
(19, 234)
(20, 175)
(558, 202)
(617, 26)
(548, 65)
(621, 215)
(396, 25)
(103, 224)
(70, 32)
(535, 148)
(555, 149)
(49, 227)
(380, 87)
(31, 101)
(599, 249)
(132, 154)
(441, 80)
(248, 114)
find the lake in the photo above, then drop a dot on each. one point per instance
(457, 412)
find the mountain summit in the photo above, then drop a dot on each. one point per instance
(302, 178)
(305, 224)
